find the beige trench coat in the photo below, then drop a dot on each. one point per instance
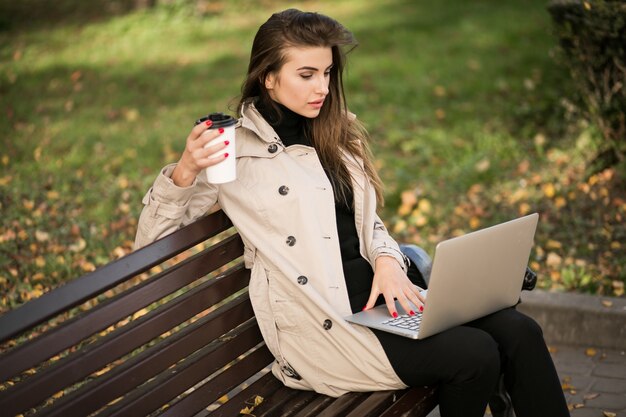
(283, 207)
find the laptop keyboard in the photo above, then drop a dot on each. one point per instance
(406, 322)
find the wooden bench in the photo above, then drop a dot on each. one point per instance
(166, 330)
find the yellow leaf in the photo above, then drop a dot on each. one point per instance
(5, 180)
(400, 226)
(103, 371)
(78, 246)
(88, 266)
(591, 396)
(591, 352)
(524, 208)
(246, 411)
(53, 195)
(122, 182)
(440, 114)
(474, 222)
(140, 313)
(28, 204)
(424, 206)
(5, 160)
(553, 260)
(555, 275)
(40, 262)
(616, 245)
(131, 115)
(440, 91)
(560, 202)
(553, 244)
(548, 190)
(41, 236)
(607, 303)
(609, 414)
(482, 165)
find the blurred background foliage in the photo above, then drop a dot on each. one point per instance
(472, 110)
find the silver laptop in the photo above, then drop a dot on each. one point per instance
(472, 276)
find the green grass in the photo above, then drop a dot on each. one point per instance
(468, 111)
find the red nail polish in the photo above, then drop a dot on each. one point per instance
(226, 155)
(226, 142)
(411, 313)
(221, 130)
(421, 308)
(364, 308)
(395, 315)
(209, 123)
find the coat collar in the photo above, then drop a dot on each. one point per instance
(252, 120)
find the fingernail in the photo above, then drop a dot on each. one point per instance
(364, 308)
(209, 123)
(226, 155)
(221, 130)
(411, 313)
(421, 308)
(395, 315)
(226, 142)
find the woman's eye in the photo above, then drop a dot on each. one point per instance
(327, 74)
(306, 76)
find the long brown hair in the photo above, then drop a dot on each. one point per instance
(332, 129)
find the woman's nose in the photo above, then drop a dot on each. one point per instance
(322, 85)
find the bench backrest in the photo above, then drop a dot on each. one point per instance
(168, 328)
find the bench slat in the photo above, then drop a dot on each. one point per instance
(264, 387)
(195, 369)
(419, 401)
(374, 404)
(102, 279)
(156, 359)
(316, 406)
(104, 315)
(82, 363)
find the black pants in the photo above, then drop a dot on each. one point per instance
(466, 363)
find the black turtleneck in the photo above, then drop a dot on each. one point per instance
(290, 126)
(358, 273)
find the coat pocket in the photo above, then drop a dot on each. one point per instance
(285, 304)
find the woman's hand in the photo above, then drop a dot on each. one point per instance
(196, 157)
(392, 282)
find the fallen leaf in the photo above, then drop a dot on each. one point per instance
(548, 190)
(78, 246)
(41, 236)
(553, 244)
(482, 165)
(591, 352)
(553, 260)
(609, 414)
(591, 396)
(607, 303)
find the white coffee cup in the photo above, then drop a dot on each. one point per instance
(226, 170)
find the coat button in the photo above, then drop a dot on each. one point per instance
(302, 280)
(283, 190)
(327, 324)
(291, 240)
(272, 148)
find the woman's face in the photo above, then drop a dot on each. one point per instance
(301, 84)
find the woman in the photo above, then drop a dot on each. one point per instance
(305, 204)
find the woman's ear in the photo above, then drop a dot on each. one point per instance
(270, 80)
